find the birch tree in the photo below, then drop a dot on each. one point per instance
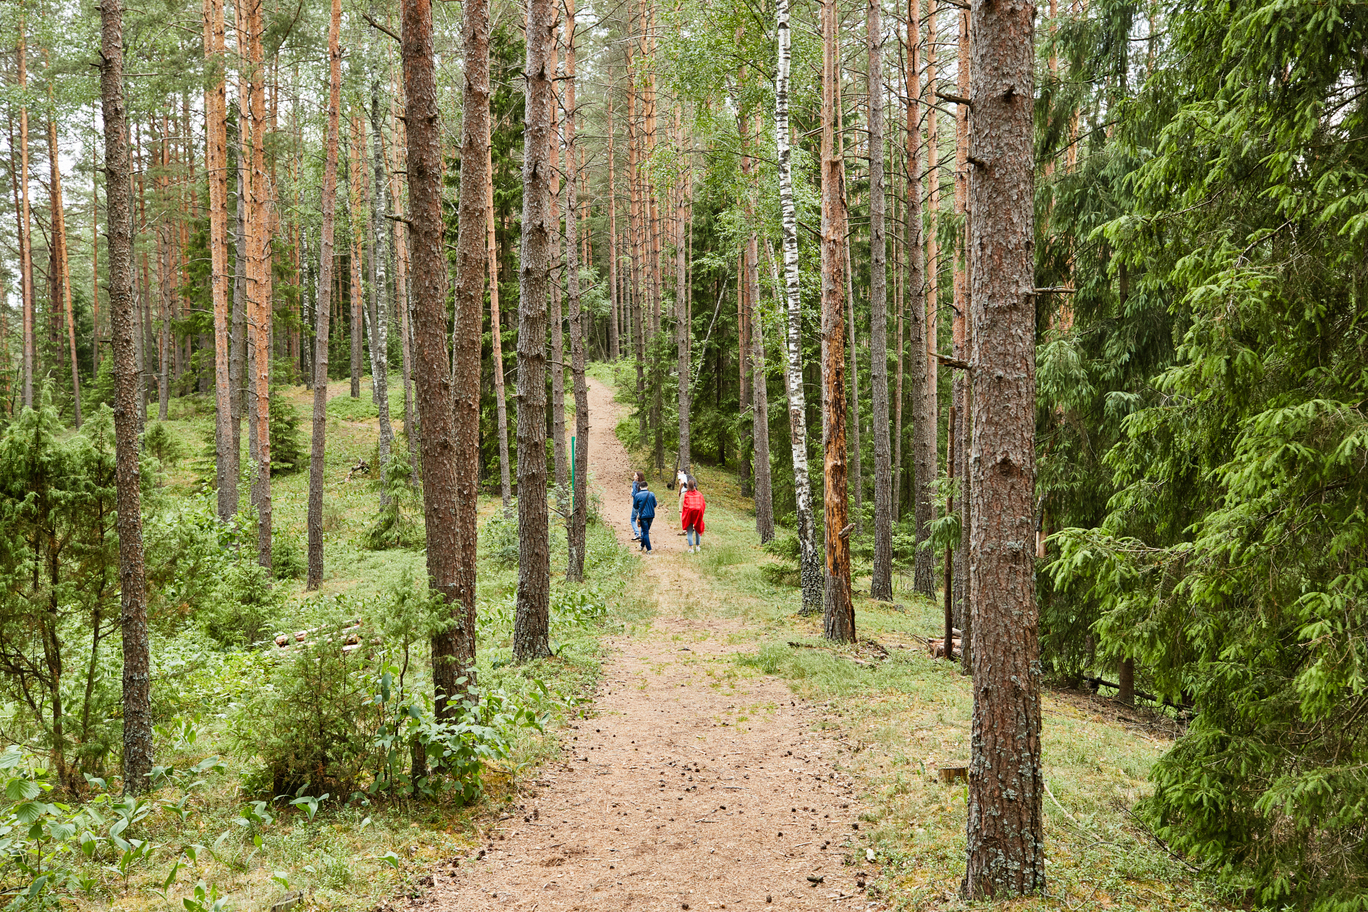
(810, 566)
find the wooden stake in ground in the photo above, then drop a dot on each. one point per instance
(839, 612)
(1006, 845)
(137, 690)
(323, 308)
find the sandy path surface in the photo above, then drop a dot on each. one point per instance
(695, 785)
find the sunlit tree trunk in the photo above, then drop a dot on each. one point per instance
(216, 172)
(323, 307)
(259, 279)
(531, 630)
(810, 565)
(839, 612)
(137, 691)
(1006, 846)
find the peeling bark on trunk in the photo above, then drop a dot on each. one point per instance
(838, 621)
(810, 565)
(323, 307)
(137, 692)
(1005, 829)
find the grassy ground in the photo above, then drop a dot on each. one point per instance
(904, 715)
(212, 831)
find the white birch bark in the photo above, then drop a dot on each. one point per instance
(810, 564)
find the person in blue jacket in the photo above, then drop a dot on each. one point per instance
(645, 503)
(638, 479)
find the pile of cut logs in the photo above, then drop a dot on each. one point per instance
(348, 633)
(936, 645)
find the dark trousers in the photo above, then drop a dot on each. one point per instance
(645, 531)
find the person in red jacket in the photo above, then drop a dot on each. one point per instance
(691, 516)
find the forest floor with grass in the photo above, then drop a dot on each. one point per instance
(698, 744)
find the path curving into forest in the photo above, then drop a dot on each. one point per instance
(694, 785)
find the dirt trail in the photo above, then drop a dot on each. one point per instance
(692, 787)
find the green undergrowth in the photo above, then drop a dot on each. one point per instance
(905, 715)
(247, 812)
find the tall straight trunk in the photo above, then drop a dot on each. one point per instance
(809, 564)
(30, 360)
(764, 488)
(959, 428)
(531, 625)
(614, 298)
(881, 577)
(838, 621)
(216, 171)
(919, 390)
(746, 394)
(237, 357)
(380, 287)
(557, 318)
(682, 318)
(401, 281)
(164, 282)
(1006, 845)
(356, 171)
(137, 691)
(323, 307)
(579, 511)
(432, 367)
(94, 262)
(900, 299)
(496, 332)
(636, 245)
(259, 279)
(62, 270)
(471, 251)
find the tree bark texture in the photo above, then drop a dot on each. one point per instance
(259, 278)
(809, 565)
(432, 370)
(926, 410)
(380, 289)
(764, 487)
(216, 173)
(531, 625)
(496, 334)
(919, 392)
(1006, 846)
(579, 493)
(29, 340)
(137, 690)
(881, 577)
(323, 305)
(471, 252)
(839, 611)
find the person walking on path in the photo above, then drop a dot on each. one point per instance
(645, 503)
(638, 481)
(691, 516)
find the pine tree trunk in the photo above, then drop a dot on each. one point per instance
(94, 263)
(137, 692)
(1005, 829)
(323, 307)
(615, 299)
(30, 360)
(62, 270)
(923, 431)
(216, 171)
(496, 331)
(471, 269)
(164, 283)
(441, 452)
(839, 612)
(557, 318)
(958, 429)
(579, 512)
(531, 630)
(380, 289)
(810, 565)
(881, 578)
(683, 323)
(927, 410)
(401, 282)
(237, 357)
(764, 488)
(259, 280)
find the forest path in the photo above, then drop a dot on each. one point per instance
(696, 784)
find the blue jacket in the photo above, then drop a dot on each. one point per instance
(645, 503)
